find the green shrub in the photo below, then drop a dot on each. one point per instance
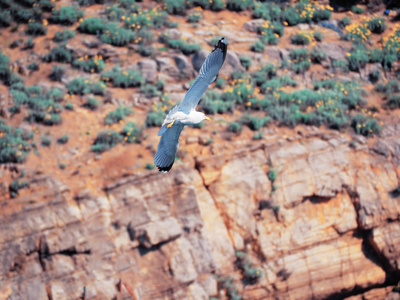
(118, 36)
(344, 22)
(89, 2)
(357, 32)
(47, 5)
(249, 272)
(106, 140)
(59, 54)
(343, 65)
(92, 103)
(69, 106)
(98, 88)
(238, 5)
(149, 90)
(117, 115)
(123, 79)
(212, 104)
(92, 26)
(302, 38)
(255, 123)
(267, 11)
(176, 7)
(258, 136)
(14, 145)
(5, 19)
(186, 48)
(377, 25)
(36, 29)
(357, 10)
(56, 94)
(257, 46)
(301, 60)
(33, 67)
(245, 62)
(317, 56)
(57, 73)
(230, 287)
(220, 83)
(291, 16)
(66, 15)
(46, 140)
(318, 36)
(29, 44)
(195, 17)
(78, 86)
(392, 86)
(376, 55)
(15, 186)
(272, 175)
(22, 15)
(114, 12)
(146, 50)
(63, 36)
(321, 15)
(235, 127)
(365, 125)
(132, 133)
(95, 64)
(393, 101)
(63, 140)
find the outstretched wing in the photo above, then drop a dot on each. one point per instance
(208, 73)
(167, 147)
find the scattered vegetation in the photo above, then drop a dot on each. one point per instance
(63, 36)
(117, 115)
(57, 73)
(95, 64)
(91, 103)
(66, 15)
(106, 140)
(249, 272)
(63, 139)
(123, 79)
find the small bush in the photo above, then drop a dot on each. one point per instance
(59, 54)
(118, 36)
(365, 125)
(92, 103)
(46, 140)
(357, 32)
(374, 76)
(36, 29)
(69, 106)
(92, 26)
(195, 17)
(255, 123)
(146, 50)
(249, 272)
(186, 48)
(89, 2)
(377, 25)
(14, 145)
(238, 5)
(57, 73)
(47, 5)
(258, 46)
(63, 140)
(117, 115)
(106, 140)
(29, 44)
(15, 186)
(123, 79)
(33, 67)
(149, 90)
(66, 15)
(63, 36)
(22, 15)
(235, 127)
(272, 175)
(302, 38)
(220, 83)
(357, 10)
(246, 62)
(98, 88)
(78, 86)
(393, 102)
(132, 133)
(5, 19)
(258, 136)
(318, 36)
(344, 22)
(392, 86)
(92, 65)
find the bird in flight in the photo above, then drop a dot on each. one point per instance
(185, 113)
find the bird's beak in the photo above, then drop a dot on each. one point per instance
(208, 119)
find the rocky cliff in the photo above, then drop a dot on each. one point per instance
(327, 227)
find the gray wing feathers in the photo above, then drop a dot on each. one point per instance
(208, 72)
(166, 151)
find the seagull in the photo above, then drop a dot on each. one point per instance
(185, 113)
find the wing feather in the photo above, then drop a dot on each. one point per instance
(208, 73)
(167, 147)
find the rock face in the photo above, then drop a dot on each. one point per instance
(326, 227)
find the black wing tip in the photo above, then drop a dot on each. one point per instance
(165, 169)
(222, 44)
